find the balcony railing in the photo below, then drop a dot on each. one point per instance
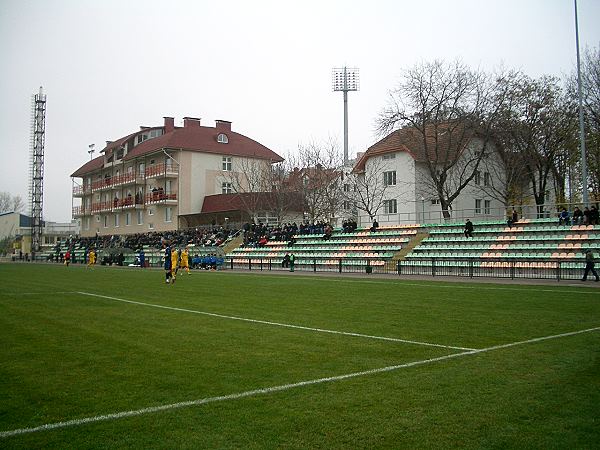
(158, 197)
(78, 191)
(80, 211)
(126, 203)
(158, 170)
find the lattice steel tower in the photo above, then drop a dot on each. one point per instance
(36, 190)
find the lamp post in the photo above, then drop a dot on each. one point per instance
(345, 79)
(422, 209)
(581, 125)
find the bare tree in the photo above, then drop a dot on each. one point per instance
(536, 127)
(317, 177)
(448, 112)
(251, 179)
(11, 203)
(366, 188)
(590, 81)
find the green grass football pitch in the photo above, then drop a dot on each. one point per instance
(114, 358)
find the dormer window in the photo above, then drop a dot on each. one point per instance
(222, 138)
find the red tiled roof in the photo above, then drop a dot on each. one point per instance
(451, 139)
(89, 166)
(204, 139)
(194, 138)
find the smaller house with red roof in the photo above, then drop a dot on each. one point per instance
(398, 168)
(157, 178)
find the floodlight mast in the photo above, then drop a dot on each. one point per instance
(36, 190)
(345, 79)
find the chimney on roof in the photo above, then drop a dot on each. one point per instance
(189, 122)
(223, 125)
(169, 124)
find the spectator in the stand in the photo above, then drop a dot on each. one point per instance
(469, 228)
(142, 257)
(375, 226)
(286, 261)
(577, 216)
(586, 216)
(563, 217)
(328, 231)
(67, 257)
(292, 262)
(593, 215)
(514, 218)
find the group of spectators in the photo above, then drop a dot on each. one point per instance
(257, 235)
(197, 237)
(589, 216)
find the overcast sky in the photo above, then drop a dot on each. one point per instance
(109, 66)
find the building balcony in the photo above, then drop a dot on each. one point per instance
(102, 207)
(79, 211)
(80, 191)
(160, 198)
(162, 170)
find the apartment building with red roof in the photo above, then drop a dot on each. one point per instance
(157, 178)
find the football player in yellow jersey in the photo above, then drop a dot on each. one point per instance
(174, 263)
(91, 259)
(184, 263)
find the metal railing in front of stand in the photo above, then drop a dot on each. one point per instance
(525, 268)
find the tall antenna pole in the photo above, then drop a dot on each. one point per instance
(38, 138)
(345, 79)
(584, 183)
(91, 151)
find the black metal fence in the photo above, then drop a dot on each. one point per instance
(468, 268)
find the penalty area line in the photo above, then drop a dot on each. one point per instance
(273, 389)
(278, 324)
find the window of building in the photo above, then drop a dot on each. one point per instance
(168, 214)
(390, 206)
(117, 219)
(105, 221)
(226, 163)
(486, 178)
(346, 205)
(97, 218)
(222, 138)
(477, 206)
(127, 219)
(150, 211)
(346, 188)
(140, 217)
(477, 177)
(389, 156)
(151, 226)
(226, 188)
(389, 178)
(86, 223)
(487, 205)
(435, 201)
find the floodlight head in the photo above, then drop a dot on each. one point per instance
(345, 79)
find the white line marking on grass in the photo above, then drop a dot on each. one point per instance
(278, 324)
(44, 293)
(269, 390)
